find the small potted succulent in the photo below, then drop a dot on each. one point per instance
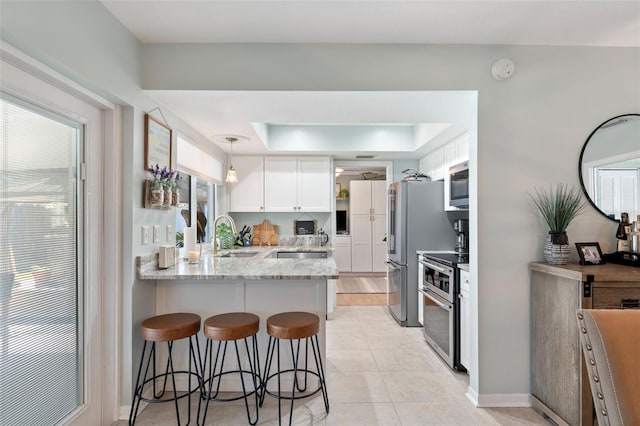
(558, 207)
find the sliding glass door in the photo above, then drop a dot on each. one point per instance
(42, 356)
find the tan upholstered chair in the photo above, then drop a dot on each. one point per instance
(611, 347)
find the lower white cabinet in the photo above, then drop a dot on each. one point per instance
(342, 254)
(465, 319)
(420, 296)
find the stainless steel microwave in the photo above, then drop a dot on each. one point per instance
(459, 185)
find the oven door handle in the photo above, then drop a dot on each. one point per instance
(432, 266)
(439, 303)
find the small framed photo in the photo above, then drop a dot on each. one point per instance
(590, 253)
(338, 189)
(157, 143)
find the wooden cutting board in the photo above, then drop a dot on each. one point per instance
(265, 234)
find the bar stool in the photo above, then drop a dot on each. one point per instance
(224, 328)
(167, 328)
(294, 326)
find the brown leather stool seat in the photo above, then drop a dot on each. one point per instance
(225, 328)
(167, 328)
(294, 326)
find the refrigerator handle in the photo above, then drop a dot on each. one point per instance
(391, 265)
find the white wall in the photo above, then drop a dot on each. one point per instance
(530, 132)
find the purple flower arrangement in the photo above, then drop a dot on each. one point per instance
(164, 178)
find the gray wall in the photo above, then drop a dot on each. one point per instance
(530, 132)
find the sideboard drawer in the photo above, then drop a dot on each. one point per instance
(616, 297)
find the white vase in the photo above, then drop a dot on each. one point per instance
(557, 253)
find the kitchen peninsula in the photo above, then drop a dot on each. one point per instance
(260, 280)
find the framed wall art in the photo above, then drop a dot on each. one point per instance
(157, 143)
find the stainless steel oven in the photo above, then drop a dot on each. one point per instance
(439, 326)
(438, 278)
(441, 315)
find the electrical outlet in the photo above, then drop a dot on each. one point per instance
(145, 235)
(170, 234)
(156, 234)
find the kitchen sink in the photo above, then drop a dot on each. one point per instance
(242, 253)
(301, 254)
(238, 254)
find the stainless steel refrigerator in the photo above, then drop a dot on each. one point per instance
(417, 221)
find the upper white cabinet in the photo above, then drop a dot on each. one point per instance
(456, 152)
(293, 184)
(247, 195)
(432, 164)
(368, 207)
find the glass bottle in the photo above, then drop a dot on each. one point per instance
(623, 227)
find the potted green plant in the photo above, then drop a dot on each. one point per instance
(558, 207)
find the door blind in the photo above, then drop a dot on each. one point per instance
(40, 357)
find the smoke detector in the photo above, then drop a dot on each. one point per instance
(502, 69)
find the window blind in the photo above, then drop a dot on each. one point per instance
(40, 357)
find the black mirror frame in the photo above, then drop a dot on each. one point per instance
(584, 190)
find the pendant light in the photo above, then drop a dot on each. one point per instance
(232, 176)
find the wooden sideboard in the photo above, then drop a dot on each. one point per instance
(560, 386)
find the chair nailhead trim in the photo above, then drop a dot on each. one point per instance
(594, 368)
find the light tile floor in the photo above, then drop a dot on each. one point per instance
(377, 374)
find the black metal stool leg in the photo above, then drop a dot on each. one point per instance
(319, 367)
(244, 390)
(213, 369)
(135, 404)
(267, 368)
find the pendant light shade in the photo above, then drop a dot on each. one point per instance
(232, 176)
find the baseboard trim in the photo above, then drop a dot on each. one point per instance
(500, 399)
(125, 410)
(472, 396)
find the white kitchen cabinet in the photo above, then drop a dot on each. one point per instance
(247, 195)
(420, 296)
(293, 184)
(432, 164)
(342, 253)
(465, 319)
(368, 225)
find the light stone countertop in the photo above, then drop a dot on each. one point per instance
(260, 266)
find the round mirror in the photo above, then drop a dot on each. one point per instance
(609, 167)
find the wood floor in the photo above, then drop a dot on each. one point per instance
(355, 290)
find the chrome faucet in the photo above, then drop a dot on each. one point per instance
(214, 250)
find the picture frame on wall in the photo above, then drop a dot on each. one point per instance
(590, 253)
(157, 143)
